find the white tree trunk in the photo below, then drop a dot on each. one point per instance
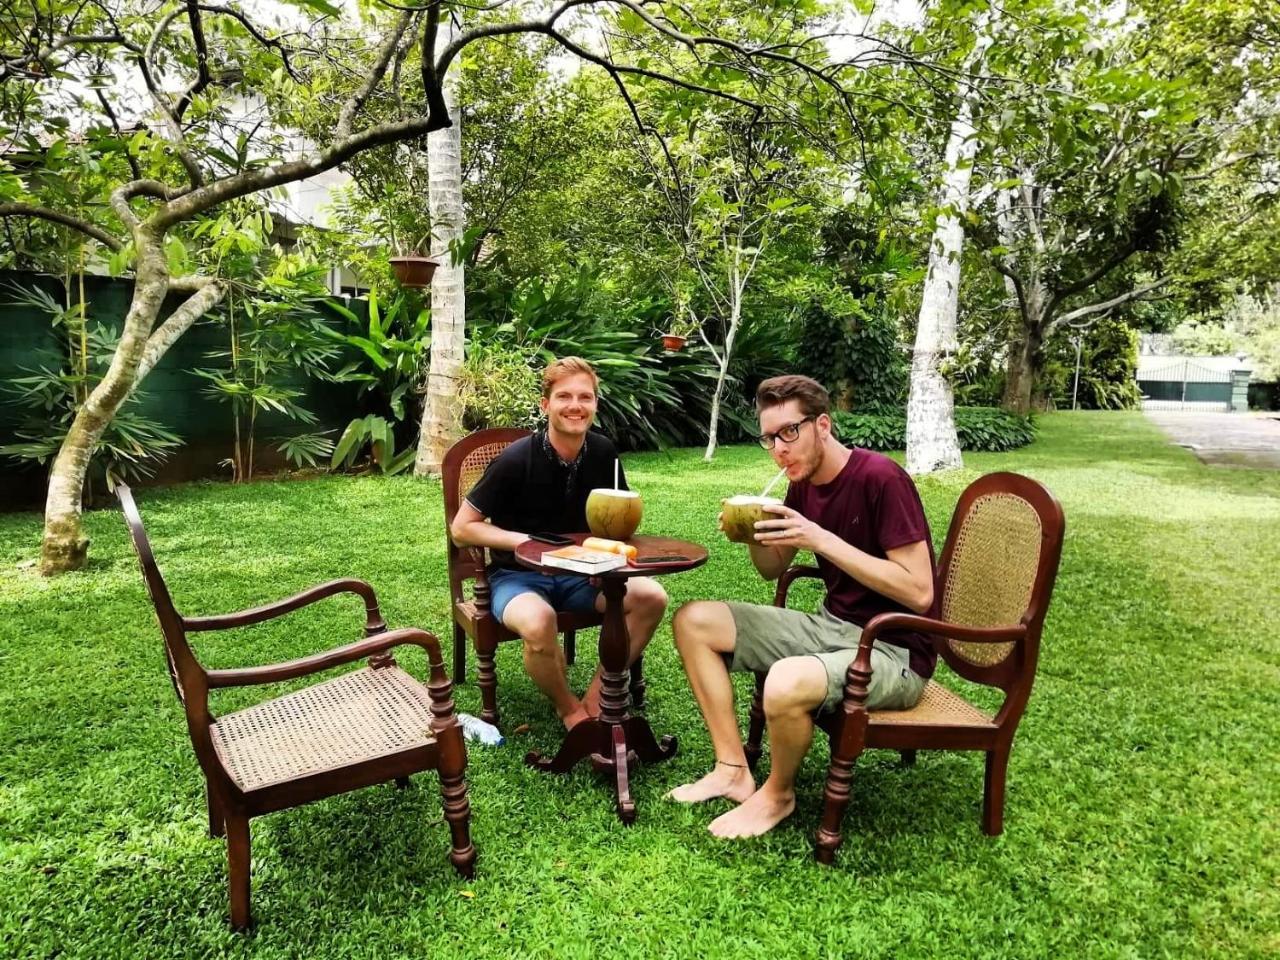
(441, 413)
(725, 356)
(737, 285)
(932, 443)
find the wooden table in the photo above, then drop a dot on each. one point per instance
(615, 740)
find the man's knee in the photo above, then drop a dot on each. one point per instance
(794, 684)
(646, 598)
(699, 623)
(533, 619)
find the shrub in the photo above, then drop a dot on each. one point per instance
(500, 386)
(985, 429)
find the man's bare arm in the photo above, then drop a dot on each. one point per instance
(469, 529)
(905, 575)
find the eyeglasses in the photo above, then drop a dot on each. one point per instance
(788, 434)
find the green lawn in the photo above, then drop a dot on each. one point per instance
(1144, 788)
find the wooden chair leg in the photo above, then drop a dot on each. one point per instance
(638, 685)
(993, 791)
(238, 868)
(755, 730)
(835, 801)
(457, 810)
(459, 655)
(570, 646)
(846, 747)
(908, 757)
(216, 826)
(487, 678)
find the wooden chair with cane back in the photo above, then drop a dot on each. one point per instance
(464, 464)
(994, 582)
(363, 727)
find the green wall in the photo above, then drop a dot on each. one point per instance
(171, 394)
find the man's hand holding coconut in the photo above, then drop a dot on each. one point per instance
(860, 515)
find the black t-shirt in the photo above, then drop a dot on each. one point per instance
(529, 489)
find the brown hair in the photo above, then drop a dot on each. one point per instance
(566, 367)
(811, 395)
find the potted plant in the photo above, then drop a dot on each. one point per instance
(683, 325)
(414, 269)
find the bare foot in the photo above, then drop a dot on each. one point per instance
(735, 783)
(760, 813)
(575, 717)
(591, 705)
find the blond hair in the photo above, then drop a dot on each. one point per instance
(557, 370)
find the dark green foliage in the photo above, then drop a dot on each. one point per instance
(979, 428)
(1108, 367)
(390, 344)
(849, 339)
(854, 354)
(648, 397)
(131, 447)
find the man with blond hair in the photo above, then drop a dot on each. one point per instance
(860, 515)
(540, 484)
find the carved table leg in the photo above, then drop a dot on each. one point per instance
(626, 806)
(615, 740)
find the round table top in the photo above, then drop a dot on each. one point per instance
(530, 552)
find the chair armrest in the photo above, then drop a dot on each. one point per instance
(275, 672)
(790, 576)
(886, 622)
(243, 618)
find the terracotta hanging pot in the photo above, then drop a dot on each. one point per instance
(413, 270)
(673, 341)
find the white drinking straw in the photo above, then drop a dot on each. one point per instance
(615, 473)
(772, 482)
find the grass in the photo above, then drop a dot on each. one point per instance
(1143, 789)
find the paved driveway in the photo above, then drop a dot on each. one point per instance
(1225, 439)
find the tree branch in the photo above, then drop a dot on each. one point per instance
(386, 51)
(1105, 305)
(169, 121)
(65, 219)
(251, 181)
(1119, 256)
(207, 295)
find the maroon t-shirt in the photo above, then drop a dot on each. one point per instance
(873, 505)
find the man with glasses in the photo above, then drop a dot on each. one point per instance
(860, 515)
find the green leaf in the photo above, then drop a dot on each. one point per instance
(347, 444)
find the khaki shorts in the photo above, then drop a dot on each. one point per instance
(769, 634)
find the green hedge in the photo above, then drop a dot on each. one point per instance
(987, 429)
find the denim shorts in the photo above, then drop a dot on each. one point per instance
(565, 594)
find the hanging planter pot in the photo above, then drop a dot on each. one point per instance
(413, 270)
(673, 341)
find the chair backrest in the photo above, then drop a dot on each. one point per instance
(997, 569)
(464, 464)
(184, 669)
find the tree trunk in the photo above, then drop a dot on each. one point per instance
(932, 442)
(441, 413)
(65, 547)
(726, 354)
(1021, 370)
